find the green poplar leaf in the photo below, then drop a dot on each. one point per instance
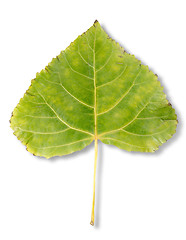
(93, 90)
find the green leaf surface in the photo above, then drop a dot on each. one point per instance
(93, 90)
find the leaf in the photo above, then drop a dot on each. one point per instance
(93, 90)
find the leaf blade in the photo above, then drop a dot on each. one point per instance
(93, 89)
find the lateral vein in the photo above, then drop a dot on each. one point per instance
(125, 94)
(61, 118)
(85, 139)
(75, 70)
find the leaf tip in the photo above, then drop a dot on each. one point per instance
(96, 23)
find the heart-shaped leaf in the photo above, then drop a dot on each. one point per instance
(93, 90)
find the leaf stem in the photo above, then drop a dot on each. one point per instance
(94, 184)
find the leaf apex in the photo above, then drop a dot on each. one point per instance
(96, 23)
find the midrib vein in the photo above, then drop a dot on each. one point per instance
(95, 135)
(95, 99)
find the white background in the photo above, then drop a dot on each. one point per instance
(138, 196)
